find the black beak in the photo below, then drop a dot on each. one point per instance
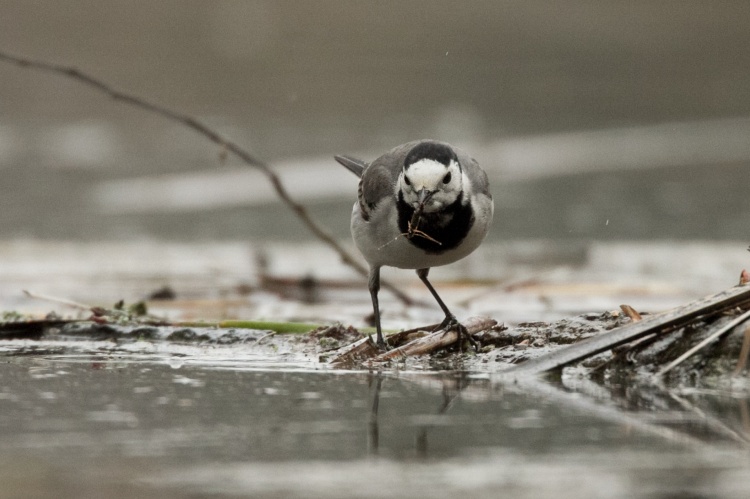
(423, 196)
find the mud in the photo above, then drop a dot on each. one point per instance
(500, 347)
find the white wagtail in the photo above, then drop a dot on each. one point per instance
(423, 204)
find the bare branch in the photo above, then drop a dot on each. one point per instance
(315, 227)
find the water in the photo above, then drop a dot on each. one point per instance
(210, 423)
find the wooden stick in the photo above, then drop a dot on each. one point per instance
(365, 348)
(406, 344)
(436, 341)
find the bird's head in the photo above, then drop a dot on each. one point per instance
(431, 177)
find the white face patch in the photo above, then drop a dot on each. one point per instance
(431, 175)
(426, 174)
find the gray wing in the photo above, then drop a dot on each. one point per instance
(379, 179)
(479, 182)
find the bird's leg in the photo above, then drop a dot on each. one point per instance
(450, 320)
(374, 286)
(449, 317)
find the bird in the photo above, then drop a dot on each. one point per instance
(422, 204)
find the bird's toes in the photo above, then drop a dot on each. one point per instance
(448, 323)
(380, 344)
(451, 322)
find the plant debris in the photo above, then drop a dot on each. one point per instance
(616, 344)
(704, 311)
(418, 341)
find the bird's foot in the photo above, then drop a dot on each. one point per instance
(451, 322)
(380, 344)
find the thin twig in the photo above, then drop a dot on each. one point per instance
(59, 301)
(718, 334)
(227, 146)
(272, 333)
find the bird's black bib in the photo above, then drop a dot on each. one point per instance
(448, 226)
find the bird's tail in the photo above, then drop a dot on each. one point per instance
(354, 165)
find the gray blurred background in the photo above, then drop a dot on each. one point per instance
(595, 120)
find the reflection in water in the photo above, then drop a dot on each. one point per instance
(686, 418)
(451, 388)
(695, 418)
(745, 416)
(374, 435)
(243, 429)
(681, 414)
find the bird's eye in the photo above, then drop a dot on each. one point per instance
(447, 178)
(406, 179)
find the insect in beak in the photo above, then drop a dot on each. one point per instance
(422, 196)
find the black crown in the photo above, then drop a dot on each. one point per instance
(431, 150)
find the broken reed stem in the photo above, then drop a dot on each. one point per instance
(631, 312)
(316, 228)
(744, 352)
(715, 336)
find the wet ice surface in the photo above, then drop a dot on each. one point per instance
(515, 281)
(149, 417)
